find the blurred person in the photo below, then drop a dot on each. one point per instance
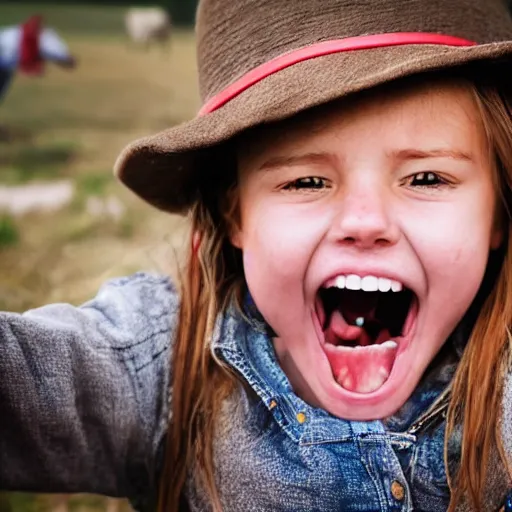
(27, 47)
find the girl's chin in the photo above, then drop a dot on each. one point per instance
(375, 405)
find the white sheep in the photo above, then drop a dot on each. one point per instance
(147, 25)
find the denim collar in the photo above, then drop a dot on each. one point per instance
(243, 340)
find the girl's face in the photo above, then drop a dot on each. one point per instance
(365, 230)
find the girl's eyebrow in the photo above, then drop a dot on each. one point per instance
(297, 160)
(327, 158)
(418, 154)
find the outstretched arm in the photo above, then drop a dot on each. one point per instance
(83, 391)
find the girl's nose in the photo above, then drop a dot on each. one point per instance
(365, 217)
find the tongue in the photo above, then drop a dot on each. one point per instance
(362, 369)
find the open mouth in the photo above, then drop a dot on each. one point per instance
(364, 320)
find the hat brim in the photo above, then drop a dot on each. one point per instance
(165, 169)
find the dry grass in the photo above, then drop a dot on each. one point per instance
(73, 124)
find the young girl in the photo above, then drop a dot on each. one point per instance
(339, 338)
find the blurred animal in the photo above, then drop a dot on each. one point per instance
(25, 48)
(145, 26)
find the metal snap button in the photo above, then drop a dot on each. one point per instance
(301, 417)
(397, 490)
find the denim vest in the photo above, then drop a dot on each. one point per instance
(84, 405)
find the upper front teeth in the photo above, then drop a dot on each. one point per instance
(367, 283)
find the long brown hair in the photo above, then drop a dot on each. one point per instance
(478, 384)
(212, 276)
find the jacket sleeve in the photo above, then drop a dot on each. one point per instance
(84, 390)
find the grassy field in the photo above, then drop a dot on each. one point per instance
(71, 126)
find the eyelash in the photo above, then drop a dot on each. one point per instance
(433, 180)
(317, 183)
(308, 183)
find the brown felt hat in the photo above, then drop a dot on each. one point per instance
(265, 60)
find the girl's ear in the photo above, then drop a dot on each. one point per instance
(496, 238)
(235, 236)
(497, 231)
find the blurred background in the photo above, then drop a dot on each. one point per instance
(113, 74)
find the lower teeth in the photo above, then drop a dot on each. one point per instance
(389, 344)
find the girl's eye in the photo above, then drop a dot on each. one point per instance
(426, 179)
(309, 183)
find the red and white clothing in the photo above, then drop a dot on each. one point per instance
(26, 47)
